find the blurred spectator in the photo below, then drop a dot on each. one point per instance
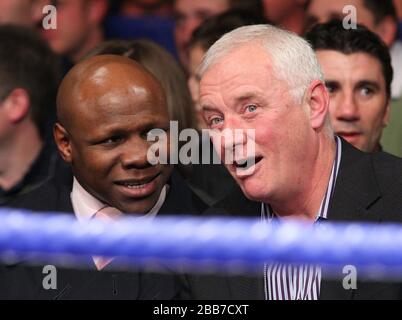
(378, 16)
(358, 73)
(289, 14)
(19, 12)
(28, 82)
(204, 37)
(398, 7)
(79, 27)
(159, 29)
(189, 14)
(135, 8)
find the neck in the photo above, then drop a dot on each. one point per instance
(304, 201)
(377, 148)
(94, 38)
(295, 22)
(18, 154)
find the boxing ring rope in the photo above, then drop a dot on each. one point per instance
(217, 243)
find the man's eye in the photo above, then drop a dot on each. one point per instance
(111, 140)
(215, 121)
(330, 88)
(366, 91)
(251, 108)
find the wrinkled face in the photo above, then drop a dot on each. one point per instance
(195, 57)
(240, 92)
(72, 27)
(321, 11)
(109, 146)
(359, 106)
(189, 14)
(17, 12)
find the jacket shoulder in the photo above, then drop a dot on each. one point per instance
(52, 195)
(388, 169)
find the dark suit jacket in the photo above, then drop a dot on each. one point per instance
(368, 188)
(20, 281)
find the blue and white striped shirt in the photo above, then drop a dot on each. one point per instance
(298, 282)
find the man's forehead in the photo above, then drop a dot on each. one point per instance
(115, 80)
(248, 58)
(335, 6)
(123, 98)
(210, 6)
(117, 73)
(356, 64)
(123, 115)
(324, 9)
(116, 90)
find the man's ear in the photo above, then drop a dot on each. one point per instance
(63, 142)
(317, 98)
(17, 105)
(385, 118)
(387, 30)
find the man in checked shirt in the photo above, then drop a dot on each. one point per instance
(267, 79)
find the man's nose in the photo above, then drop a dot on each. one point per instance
(348, 109)
(134, 154)
(233, 138)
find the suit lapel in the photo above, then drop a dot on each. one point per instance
(356, 191)
(356, 188)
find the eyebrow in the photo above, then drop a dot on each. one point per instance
(371, 83)
(208, 108)
(237, 100)
(332, 82)
(246, 96)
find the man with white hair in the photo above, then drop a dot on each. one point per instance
(268, 80)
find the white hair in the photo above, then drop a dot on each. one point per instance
(292, 57)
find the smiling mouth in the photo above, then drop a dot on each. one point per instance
(137, 183)
(247, 163)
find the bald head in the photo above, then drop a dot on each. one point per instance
(108, 106)
(99, 80)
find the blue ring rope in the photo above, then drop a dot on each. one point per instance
(204, 241)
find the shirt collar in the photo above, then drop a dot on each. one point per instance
(86, 205)
(267, 213)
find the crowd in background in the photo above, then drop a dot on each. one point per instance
(360, 63)
(170, 38)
